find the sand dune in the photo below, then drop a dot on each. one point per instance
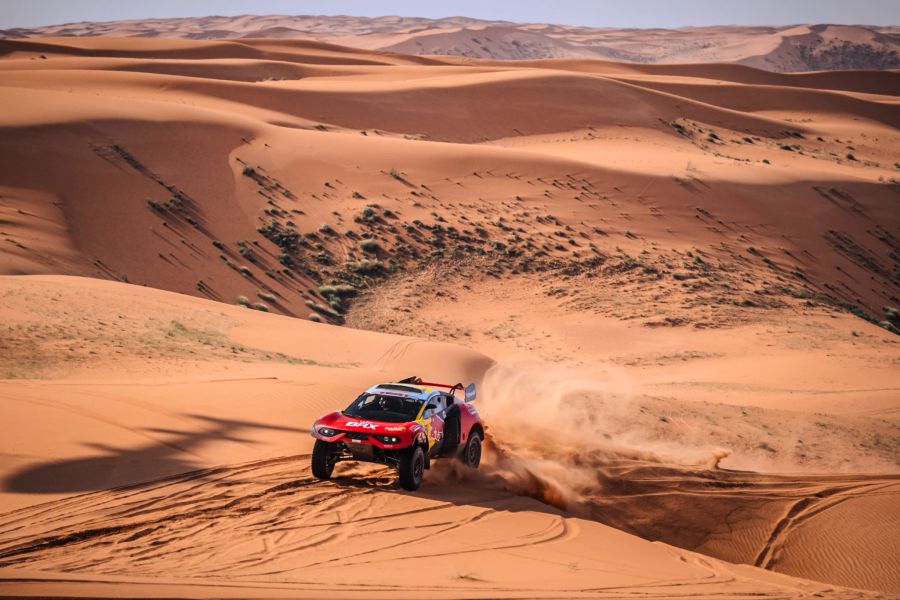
(283, 540)
(200, 485)
(676, 273)
(779, 49)
(705, 132)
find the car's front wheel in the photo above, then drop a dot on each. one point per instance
(412, 468)
(471, 455)
(323, 460)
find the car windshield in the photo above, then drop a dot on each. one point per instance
(380, 407)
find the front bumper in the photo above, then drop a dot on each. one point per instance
(358, 439)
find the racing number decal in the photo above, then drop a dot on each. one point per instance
(436, 428)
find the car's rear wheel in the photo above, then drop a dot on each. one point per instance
(412, 468)
(323, 459)
(471, 455)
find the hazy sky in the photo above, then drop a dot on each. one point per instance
(598, 13)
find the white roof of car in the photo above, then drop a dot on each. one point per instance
(404, 390)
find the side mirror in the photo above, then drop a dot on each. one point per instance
(470, 392)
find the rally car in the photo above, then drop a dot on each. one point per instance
(405, 425)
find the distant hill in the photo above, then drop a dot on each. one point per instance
(780, 49)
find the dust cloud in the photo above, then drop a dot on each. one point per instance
(555, 433)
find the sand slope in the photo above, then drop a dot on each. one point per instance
(270, 207)
(265, 529)
(195, 482)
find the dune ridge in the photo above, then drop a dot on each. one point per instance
(788, 48)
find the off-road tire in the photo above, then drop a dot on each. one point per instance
(412, 468)
(471, 455)
(323, 460)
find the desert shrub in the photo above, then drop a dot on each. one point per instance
(218, 244)
(371, 246)
(266, 296)
(326, 228)
(245, 271)
(857, 311)
(249, 171)
(259, 306)
(765, 446)
(243, 301)
(322, 309)
(286, 239)
(889, 327)
(337, 291)
(366, 267)
(314, 317)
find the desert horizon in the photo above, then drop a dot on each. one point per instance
(778, 48)
(671, 271)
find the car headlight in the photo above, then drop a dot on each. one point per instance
(388, 439)
(327, 431)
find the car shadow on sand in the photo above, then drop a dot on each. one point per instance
(171, 454)
(448, 481)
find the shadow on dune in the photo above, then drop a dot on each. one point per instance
(447, 481)
(125, 466)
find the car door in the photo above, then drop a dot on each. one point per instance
(435, 419)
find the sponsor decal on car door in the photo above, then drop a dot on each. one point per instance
(434, 428)
(436, 431)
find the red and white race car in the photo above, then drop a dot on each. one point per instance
(404, 425)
